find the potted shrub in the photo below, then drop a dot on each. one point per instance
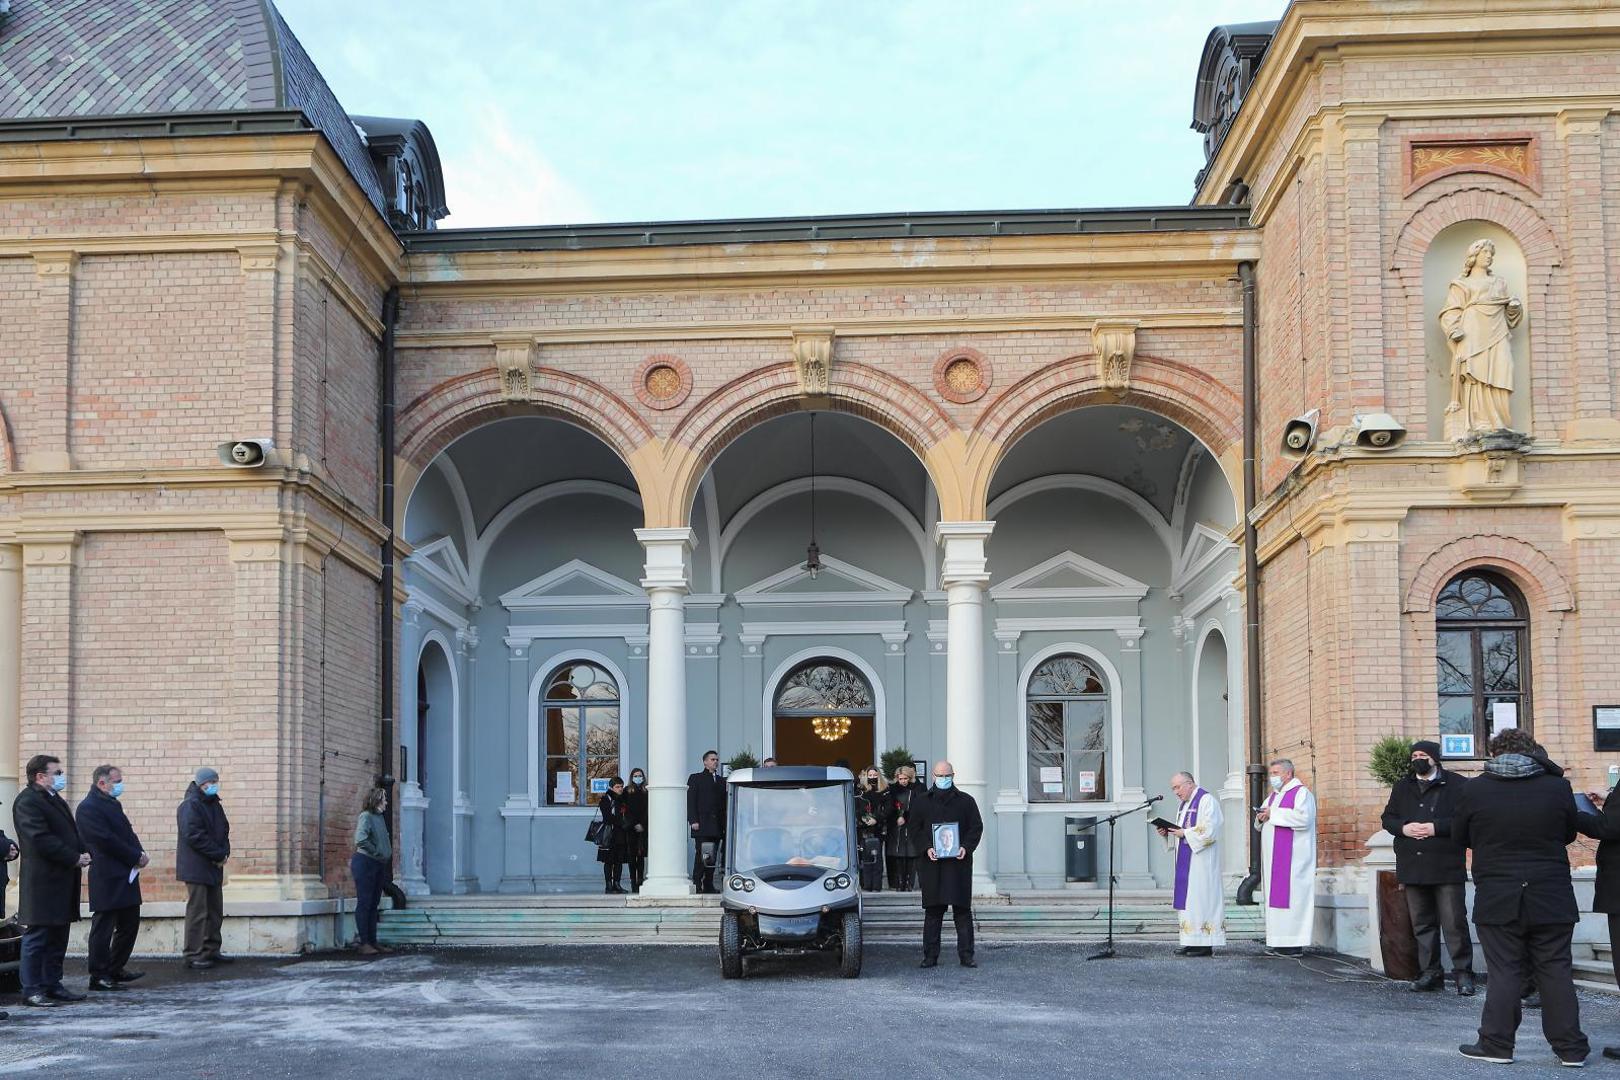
(892, 759)
(1388, 763)
(742, 759)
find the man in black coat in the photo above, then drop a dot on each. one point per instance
(52, 861)
(1430, 865)
(1519, 819)
(706, 814)
(115, 888)
(946, 881)
(8, 853)
(1604, 827)
(199, 861)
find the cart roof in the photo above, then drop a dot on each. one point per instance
(790, 774)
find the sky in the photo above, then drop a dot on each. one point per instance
(549, 112)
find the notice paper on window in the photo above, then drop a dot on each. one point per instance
(1504, 714)
(1086, 782)
(1051, 774)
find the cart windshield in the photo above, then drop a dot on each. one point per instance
(791, 826)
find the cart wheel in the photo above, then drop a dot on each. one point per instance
(849, 965)
(731, 957)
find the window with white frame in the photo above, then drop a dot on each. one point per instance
(1067, 717)
(580, 725)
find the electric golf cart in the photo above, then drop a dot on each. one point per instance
(790, 884)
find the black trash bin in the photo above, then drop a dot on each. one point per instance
(1080, 849)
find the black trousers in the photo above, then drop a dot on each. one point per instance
(112, 940)
(703, 876)
(1513, 951)
(1437, 910)
(934, 921)
(43, 949)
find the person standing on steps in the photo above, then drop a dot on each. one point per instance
(116, 860)
(199, 860)
(706, 817)
(947, 880)
(615, 853)
(635, 801)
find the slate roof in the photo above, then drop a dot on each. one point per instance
(63, 58)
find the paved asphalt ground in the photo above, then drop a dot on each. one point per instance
(663, 1011)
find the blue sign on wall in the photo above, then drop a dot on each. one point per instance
(599, 785)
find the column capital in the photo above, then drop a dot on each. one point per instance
(55, 263)
(10, 557)
(1583, 121)
(669, 558)
(964, 562)
(50, 548)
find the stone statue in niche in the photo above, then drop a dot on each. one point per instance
(1478, 319)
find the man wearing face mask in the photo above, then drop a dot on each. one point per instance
(1287, 822)
(53, 861)
(115, 888)
(1430, 867)
(947, 881)
(199, 861)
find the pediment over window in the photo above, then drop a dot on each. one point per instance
(839, 582)
(574, 584)
(440, 563)
(1204, 546)
(1068, 576)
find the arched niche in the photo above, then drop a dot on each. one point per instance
(1443, 262)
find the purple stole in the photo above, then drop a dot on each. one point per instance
(1183, 852)
(1279, 890)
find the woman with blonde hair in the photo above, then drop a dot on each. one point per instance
(901, 851)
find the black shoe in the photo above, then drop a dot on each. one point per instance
(99, 983)
(1465, 984)
(218, 959)
(1285, 950)
(1427, 983)
(1181, 950)
(1479, 1053)
(1531, 1000)
(4, 1015)
(41, 1001)
(1612, 1053)
(1572, 1062)
(1198, 950)
(127, 975)
(65, 995)
(928, 962)
(199, 965)
(968, 961)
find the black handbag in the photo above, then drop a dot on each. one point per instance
(600, 833)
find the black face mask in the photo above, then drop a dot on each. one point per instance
(1422, 767)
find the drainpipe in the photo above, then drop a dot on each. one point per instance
(385, 433)
(1251, 581)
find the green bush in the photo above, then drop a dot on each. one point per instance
(744, 759)
(892, 759)
(1391, 759)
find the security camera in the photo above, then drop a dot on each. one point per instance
(245, 453)
(1378, 431)
(1299, 434)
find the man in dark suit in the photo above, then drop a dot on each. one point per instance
(947, 881)
(1430, 867)
(1519, 819)
(1604, 827)
(8, 853)
(706, 814)
(53, 860)
(115, 888)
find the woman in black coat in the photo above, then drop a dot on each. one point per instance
(1604, 827)
(872, 823)
(616, 818)
(635, 800)
(902, 852)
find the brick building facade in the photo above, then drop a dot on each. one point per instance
(183, 269)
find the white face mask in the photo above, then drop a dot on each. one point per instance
(1276, 783)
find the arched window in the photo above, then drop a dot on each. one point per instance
(581, 711)
(823, 714)
(1066, 709)
(1482, 649)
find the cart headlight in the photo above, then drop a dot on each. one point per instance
(736, 883)
(843, 881)
(748, 884)
(830, 882)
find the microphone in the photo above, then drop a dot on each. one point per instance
(1156, 798)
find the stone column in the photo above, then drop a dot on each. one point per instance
(964, 576)
(1235, 791)
(1588, 372)
(668, 578)
(522, 762)
(1132, 847)
(10, 682)
(50, 439)
(46, 698)
(894, 687)
(413, 803)
(753, 690)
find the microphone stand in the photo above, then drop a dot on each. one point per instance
(1107, 951)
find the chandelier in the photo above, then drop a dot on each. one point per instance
(830, 728)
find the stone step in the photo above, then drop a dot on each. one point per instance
(1597, 971)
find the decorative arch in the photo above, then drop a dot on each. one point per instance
(485, 541)
(1098, 485)
(1192, 398)
(860, 488)
(1525, 565)
(456, 406)
(1536, 238)
(766, 393)
(1212, 628)
(880, 707)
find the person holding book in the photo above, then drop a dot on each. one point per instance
(946, 826)
(1198, 899)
